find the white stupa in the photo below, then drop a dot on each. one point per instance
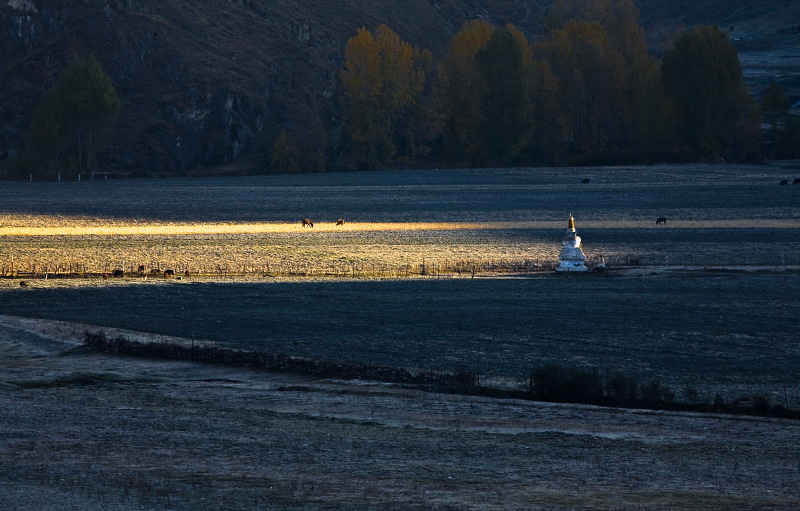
(571, 255)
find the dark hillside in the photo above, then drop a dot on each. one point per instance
(204, 81)
(210, 82)
(766, 33)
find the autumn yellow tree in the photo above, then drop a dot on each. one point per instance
(458, 90)
(703, 79)
(626, 66)
(590, 78)
(383, 78)
(552, 125)
(505, 122)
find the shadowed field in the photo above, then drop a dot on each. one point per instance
(684, 329)
(89, 431)
(707, 301)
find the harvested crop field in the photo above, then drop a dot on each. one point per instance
(397, 221)
(89, 431)
(433, 270)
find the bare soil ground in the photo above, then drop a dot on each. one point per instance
(89, 431)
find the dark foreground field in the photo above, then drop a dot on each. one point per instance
(721, 332)
(88, 431)
(713, 306)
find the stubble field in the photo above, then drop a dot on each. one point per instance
(709, 301)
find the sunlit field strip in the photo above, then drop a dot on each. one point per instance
(61, 226)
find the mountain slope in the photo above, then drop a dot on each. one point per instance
(203, 81)
(766, 33)
(211, 82)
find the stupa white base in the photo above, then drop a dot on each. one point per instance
(571, 266)
(571, 256)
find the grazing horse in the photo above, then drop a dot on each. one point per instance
(662, 220)
(307, 223)
(340, 221)
(586, 181)
(784, 182)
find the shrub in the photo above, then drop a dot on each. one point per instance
(761, 402)
(655, 392)
(572, 385)
(466, 377)
(621, 387)
(690, 394)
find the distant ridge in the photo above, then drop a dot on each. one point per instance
(205, 83)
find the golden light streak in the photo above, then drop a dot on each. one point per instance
(11, 225)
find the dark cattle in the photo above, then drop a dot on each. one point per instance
(118, 273)
(340, 221)
(169, 274)
(22, 283)
(140, 269)
(784, 182)
(586, 181)
(796, 181)
(662, 220)
(307, 223)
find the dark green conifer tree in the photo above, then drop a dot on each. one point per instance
(69, 120)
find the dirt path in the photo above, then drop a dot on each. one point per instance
(86, 431)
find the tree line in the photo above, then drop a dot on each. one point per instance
(69, 121)
(586, 92)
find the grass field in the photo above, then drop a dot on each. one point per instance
(396, 221)
(711, 303)
(258, 279)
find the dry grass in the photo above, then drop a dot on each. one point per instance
(46, 225)
(53, 245)
(41, 245)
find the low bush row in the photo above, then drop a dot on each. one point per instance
(275, 361)
(545, 383)
(586, 385)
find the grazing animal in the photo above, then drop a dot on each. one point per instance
(307, 223)
(340, 221)
(796, 181)
(586, 181)
(118, 273)
(105, 276)
(169, 274)
(784, 182)
(23, 283)
(662, 220)
(140, 269)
